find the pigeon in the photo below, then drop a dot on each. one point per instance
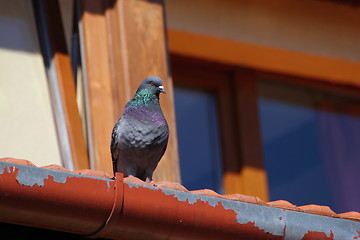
(139, 139)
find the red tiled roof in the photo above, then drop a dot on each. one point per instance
(131, 181)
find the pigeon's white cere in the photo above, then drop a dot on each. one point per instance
(161, 87)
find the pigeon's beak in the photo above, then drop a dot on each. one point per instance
(162, 89)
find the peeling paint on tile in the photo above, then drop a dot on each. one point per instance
(262, 219)
(275, 221)
(135, 185)
(272, 222)
(244, 211)
(190, 197)
(318, 235)
(32, 176)
(181, 196)
(9, 169)
(269, 222)
(331, 228)
(358, 236)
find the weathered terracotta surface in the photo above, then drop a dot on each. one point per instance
(312, 209)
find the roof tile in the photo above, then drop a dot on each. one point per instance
(171, 185)
(207, 192)
(56, 167)
(18, 161)
(283, 204)
(317, 209)
(94, 173)
(350, 215)
(242, 198)
(135, 180)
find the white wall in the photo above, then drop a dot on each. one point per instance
(27, 128)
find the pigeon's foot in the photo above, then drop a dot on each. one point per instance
(152, 182)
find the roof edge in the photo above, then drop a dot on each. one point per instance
(115, 209)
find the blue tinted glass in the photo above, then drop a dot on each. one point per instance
(310, 150)
(198, 136)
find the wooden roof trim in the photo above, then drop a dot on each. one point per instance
(264, 58)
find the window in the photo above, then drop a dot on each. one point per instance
(209, 102)
(311, 145)
(296, 138)
(198, 138)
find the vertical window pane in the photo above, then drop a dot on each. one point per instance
(26, 120)
(198, 135)
(311, 146)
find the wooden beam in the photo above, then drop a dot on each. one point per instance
(58, 57)
(117, 57)
(125, 42)
(264, 58)
(252, 173)
(98, 82)
(139, 49)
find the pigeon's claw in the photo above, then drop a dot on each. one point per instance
(152, 182)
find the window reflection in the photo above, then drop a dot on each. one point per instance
(311, 145)
(198, 136)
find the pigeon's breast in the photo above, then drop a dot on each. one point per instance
(158, 118)
(142, 128)
(146, 114)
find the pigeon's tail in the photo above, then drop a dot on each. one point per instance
(143, 178)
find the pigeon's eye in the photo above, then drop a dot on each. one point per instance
(152, 83)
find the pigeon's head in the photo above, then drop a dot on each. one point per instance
(154, 84)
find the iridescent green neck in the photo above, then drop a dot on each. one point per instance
(144, 97)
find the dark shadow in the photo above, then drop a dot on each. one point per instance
(28, 233)
(95, 6)
(17, 31)
(353, 3)
(50, 29)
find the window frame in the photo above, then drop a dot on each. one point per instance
(235, 89)
(237, 99)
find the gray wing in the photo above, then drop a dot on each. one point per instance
(122, 140)
(140, 134)
(157, 155)
(114, 146)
